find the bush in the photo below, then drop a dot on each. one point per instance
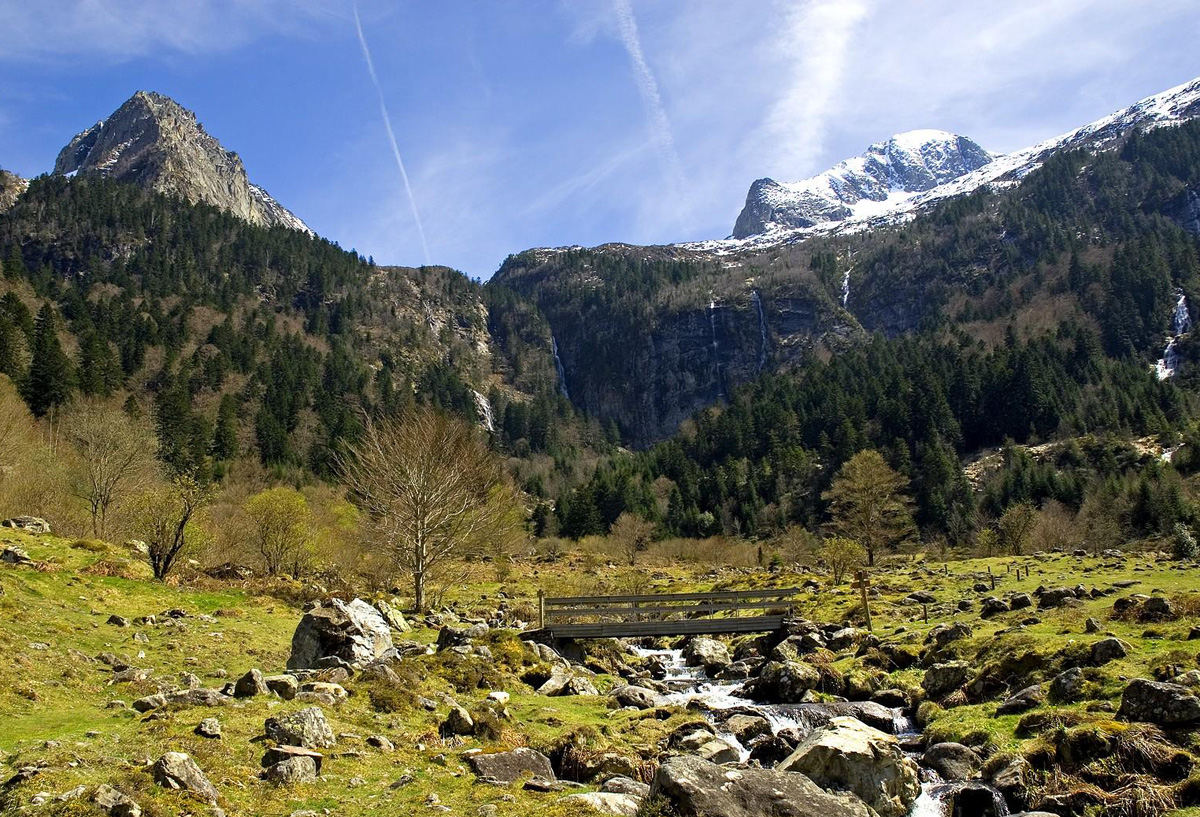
(1184, 546)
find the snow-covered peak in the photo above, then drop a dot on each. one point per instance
(887, 172)
(778, 213)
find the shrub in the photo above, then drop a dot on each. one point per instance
(1184, 545)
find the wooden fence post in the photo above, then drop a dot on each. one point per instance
(863, 583)
(925, 612)
(541, 609)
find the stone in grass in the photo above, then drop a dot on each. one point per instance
(381, 743)
(251, 684)
(458, 722)
(1161, 703)
(1109, 649)
(1018, 702)
(176, 770)
(508, 767)
(209, 728)
(293, 770)
(278, 754)
(285, 686)
(1067, 686)
(621, 805)
(115, 803)
(305, 727)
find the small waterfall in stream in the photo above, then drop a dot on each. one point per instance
(484, 407)
(1181, 324)
(762, 330)
(690, 686)
(845, 287)
(558, 367)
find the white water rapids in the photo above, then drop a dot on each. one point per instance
(690, 685)
(1181, 324)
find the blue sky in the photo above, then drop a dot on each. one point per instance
(551, 122)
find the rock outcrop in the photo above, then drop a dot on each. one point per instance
(352, 632)
(154, 142)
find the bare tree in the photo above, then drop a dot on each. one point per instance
(842, 555)
(432, 489)
(163, 517)
(114, 453)
(632, 534)
(1015, 526)
(281, 521)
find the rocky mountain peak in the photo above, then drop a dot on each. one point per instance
(11, 186)
(907, 163)
(153, 141)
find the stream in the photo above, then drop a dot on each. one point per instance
(690, 685)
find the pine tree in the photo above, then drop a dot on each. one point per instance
(50, 377)
(225, 441)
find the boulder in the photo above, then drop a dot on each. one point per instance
(696, 788)
(1019, 601)
(992, 606)
(181, 698)
(394, 618)
(29, 524)
(849, 755)
(458, 722)
(708, 653)
(784, 682)
(1055, 597)
(13, 555)
(176, 770)
(1109, 649)
(1019, 702)
(354, 632)
(635, 696)
(285, 686)
(292, 770)
(952, 761)
(1157, 608)
(747, 727)
(1067, 686)
(508, 767)
(114, 803)
(942, 679)
(304, 727)
(718, 750)
(251, 684)
(625, 785)
(977, 800)
(622, 805)
(1157, 702)
(209, 728)
(278, 754)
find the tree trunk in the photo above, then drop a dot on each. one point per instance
(419, 590)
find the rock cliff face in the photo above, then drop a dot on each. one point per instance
(156, 143)
(650, 363)
(11, 186)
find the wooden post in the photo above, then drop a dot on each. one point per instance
(993, 578)
(925, 612)
(863, 583)
(541, 609)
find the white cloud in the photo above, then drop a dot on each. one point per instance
(816, 39)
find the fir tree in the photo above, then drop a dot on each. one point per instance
(50, 377)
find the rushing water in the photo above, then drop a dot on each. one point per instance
(690, 685)
(846, 287)
(1181, 324)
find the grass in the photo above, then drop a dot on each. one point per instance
(55, 699)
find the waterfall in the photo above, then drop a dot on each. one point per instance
(845, 287)
(762, 331)
(484, 407)
(1181, 324)
(558, 367)
(712, 324)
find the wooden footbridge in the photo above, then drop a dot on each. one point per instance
(713, 613)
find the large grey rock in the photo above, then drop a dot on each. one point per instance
(696, 788)
(708, 653)
(1109, 649)
(1055, 597)
(952, 761)
(635, 696)
(942, 679)
(13, 555)
(718, 750)
(851, 756)
(251, 684)
(1067, 686)
(114, 802)
(1019, 702)
(508, 767)
(154, 142)
(977, 800)
(621, 805)
(304, 727)
(458, 722)
(176, 770)
(784, 682)
(29, 524)
(354, 632)
(181, 698)
(1160, 703)
(292, 770)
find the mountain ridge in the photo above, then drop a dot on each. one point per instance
(153, 141)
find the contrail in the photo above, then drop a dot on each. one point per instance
(387, 123)
(660, 126)
(816, 39)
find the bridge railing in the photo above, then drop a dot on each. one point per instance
(661, 606)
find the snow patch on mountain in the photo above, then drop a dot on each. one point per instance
(894, 180)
